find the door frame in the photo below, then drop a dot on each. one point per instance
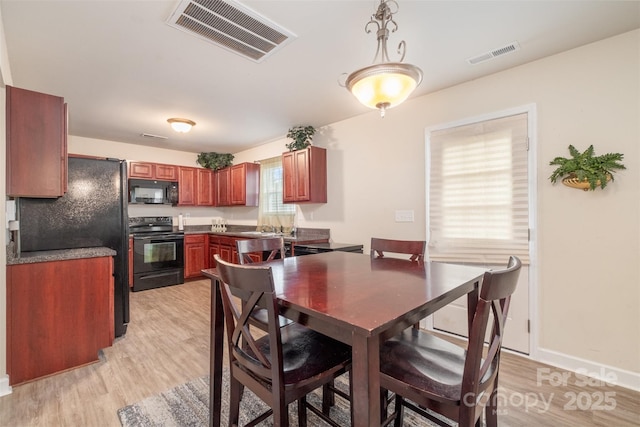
(532, 126)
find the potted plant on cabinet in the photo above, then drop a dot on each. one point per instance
(301, 136)
(585, 170)
(214, 161)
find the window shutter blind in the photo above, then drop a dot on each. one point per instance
(478, 199)
(272, 212)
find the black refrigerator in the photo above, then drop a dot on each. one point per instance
(92, 213)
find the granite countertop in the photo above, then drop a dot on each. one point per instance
(59, 255)
(302, 235)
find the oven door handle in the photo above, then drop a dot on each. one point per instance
(163, 237)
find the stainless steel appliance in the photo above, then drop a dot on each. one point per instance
(158, 253)
(92, 213)
(316, 248)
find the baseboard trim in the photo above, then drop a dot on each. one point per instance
(599, 371)
(5, 388)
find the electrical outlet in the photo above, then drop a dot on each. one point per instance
(404, 216)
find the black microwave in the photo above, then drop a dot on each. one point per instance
(153, 192)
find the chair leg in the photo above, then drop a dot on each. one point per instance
(384, 403)
(399, 410)
(491, 409)
(302, 411)
(234, 402)
(328, 397)
(281, 416)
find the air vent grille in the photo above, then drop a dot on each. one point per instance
(232, 26)
(494, 53)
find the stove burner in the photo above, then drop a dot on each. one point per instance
(150, 224)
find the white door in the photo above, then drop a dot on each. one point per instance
(479, 205)
(453, 318)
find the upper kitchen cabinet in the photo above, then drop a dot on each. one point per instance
(196, 186)
(245, 184)
(223, 187)
(305, 175)
(238, 185)
(145, 170)
(187, 181)
(205, 194)
(36, 144)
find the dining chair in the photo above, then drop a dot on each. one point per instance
(279, 367)
(252, 250)
(415, 248)
(425, 371)
(249, 252)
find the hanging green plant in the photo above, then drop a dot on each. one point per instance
(584, 170)
(301, 136)
(214, 161)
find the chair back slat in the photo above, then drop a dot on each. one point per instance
(274, 245)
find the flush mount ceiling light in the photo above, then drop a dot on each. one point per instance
(384, 84)
(181, 125)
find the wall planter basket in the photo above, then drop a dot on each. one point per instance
(575, 182)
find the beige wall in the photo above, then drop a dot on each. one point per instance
(588, 252)
(588, 244)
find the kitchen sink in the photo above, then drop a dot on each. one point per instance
(260, 233)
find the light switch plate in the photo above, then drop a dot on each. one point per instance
(404, 216)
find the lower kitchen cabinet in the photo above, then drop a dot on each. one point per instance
(59, 315)
(195, 255)
(225, 246)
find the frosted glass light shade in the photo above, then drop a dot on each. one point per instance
(384, 85)
(181, 125)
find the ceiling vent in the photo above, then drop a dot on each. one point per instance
(511, 47)
(232, 26)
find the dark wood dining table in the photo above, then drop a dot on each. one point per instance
(357, 300)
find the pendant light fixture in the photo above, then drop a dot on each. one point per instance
(384, 84)
(181, 125)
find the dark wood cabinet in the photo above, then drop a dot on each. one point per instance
(206, 185)
(187, 181)
(223, 187)
(195, 255)
(225, 246)
(305, 175)
(59, 315)
(238, 185)
(36, 125)
(166, 172)
(214, 248)
(245, 184)
(146, 170)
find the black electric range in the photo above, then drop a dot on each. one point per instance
(316, 248)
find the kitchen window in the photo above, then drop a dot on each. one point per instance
(272, 212)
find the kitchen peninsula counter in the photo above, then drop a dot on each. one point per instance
(60, 310)
(58, 255)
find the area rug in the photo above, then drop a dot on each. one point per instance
(188, 405)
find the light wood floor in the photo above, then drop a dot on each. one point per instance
(167, 343)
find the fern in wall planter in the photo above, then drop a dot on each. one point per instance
(585, 170)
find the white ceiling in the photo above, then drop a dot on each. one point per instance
(123, 71)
